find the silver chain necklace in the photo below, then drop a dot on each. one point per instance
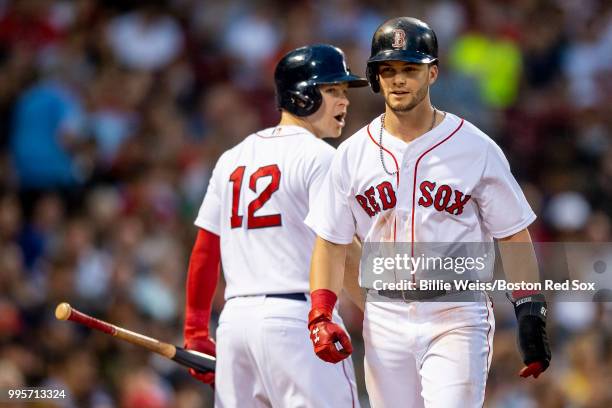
(380, 145)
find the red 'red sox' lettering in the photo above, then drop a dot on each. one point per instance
(363, 202)
(371, 204)
(442, 198)
(371, 195)
(387, 195)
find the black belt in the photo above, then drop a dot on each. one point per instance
(291, 296)
(411, 294)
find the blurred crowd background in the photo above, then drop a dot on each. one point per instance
(113, 113)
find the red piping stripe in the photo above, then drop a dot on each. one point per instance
(488, 299)
(274, 137)
(416, 166)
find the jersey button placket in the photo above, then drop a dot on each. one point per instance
(404, 202)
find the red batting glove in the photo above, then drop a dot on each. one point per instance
(204, 345)
(324, 334)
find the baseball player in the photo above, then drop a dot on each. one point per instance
(416, 174)
(252, 221)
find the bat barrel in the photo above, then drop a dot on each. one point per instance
(64, 311)
(198, 361)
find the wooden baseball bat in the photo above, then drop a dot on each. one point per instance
(189, 358)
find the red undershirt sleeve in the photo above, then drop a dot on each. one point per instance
(202, 278)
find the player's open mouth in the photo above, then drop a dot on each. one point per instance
(340, 118)
(400, 92)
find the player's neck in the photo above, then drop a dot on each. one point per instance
(288, 119)
(408, 126)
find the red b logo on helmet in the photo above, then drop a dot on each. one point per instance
(399, 38)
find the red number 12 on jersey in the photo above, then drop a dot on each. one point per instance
(254, 221)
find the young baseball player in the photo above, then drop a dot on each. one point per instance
(416, 174)
(252, 221)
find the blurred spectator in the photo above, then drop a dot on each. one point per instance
(10, 217)
(568, 212)
(144, 389)
(40, 230)
(543, 40)
(251, 39)
(580, 381)
(75, 372)
(491, 55)
(588, 61)
(345, 22)
(146, 38)
(450, 19)
(10, 376)
(603, 182)
(114, 118)
(47, 130)
(93, 265)
(26, 24)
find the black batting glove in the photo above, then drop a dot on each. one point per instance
(532, 339)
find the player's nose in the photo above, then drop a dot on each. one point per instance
(344, 101)
(399, 78)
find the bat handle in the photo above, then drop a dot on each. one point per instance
(195, 360)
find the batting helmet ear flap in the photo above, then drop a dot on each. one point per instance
(304, 102)
(372, 76)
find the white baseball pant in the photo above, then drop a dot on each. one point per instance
(428, 354)
(265, 358)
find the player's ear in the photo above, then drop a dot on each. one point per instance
(433, 73)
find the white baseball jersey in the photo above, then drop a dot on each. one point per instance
(257, 199)
(453, 185)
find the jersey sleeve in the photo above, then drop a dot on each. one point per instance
(330, 215)
(502, 204)
(209, 216)
(317, 171)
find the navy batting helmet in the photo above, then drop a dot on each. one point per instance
(298, 74)
(401, 39)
